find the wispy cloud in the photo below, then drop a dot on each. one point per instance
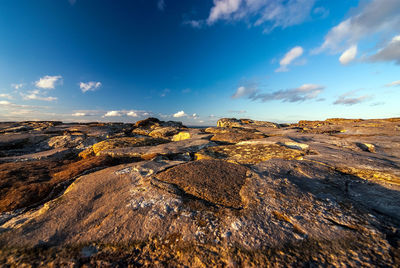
(6, 96)
(349, 99)
(245, 91)
(376, 17)
(300, 94)
(289, 57)
(267, 14)
(37, 95)
(237, 111)
(393, 84)
(48, 82)
(179, 114)
(17, 86)
(165, 92)
(161, 5)
(349, 55)
(89, 86)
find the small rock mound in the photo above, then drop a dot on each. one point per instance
(229, 122)
(239, 123)
(156, 128)
(215, 181)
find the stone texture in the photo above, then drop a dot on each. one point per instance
(249, 153)
(126, 142)
(215, 181)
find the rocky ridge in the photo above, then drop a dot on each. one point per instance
(245, 193)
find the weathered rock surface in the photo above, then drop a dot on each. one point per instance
(215, 181)
(315, 193)
(249, 153)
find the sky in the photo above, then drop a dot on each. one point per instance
(196, 61)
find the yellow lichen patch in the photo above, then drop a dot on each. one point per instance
(371, 175)
(249, 153)
(86, 153)
(184, 135)
(126, 142)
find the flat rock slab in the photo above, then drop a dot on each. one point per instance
(216, 181)
(249, 153)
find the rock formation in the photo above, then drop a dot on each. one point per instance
(246, 193)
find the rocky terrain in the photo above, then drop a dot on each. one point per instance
(243, 194)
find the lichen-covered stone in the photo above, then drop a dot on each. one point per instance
(249, 153)
(126, 142)
(163, 132)
(184, 135)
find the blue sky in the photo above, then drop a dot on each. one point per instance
(199, 60)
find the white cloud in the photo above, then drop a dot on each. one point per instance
(390, 52)
(132, 114)
(124, 113)
(17, 86)
(113, 113)
(6, 96)
(79, 114)
(375, 17)
(289, 57)
(179, 114)
(393, 84)
(222, 9)
(5, 103)
(269, 14)
(37, 95)
(349, 55)
(89, 86)
(48, 82)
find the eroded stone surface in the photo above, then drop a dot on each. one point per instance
(216, 181)
(249, 153)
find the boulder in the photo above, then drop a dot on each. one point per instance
(229, 122)
(148, 122)
(163, 132)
